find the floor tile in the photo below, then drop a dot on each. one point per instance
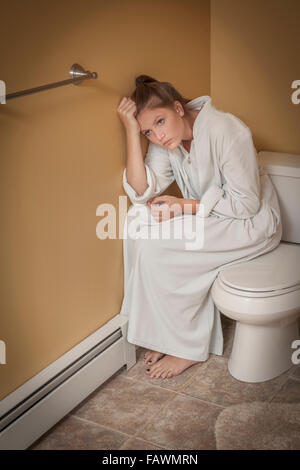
(289, 392)
(295, 372)
(214, 384)
(259, 426)
(138, 444)
(131, 411)
(183, 423)
(123, 404)
(73, 433)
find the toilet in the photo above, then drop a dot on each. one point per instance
(263, 295)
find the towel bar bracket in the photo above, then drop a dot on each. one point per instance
(77, 71)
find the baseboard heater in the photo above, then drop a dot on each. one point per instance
(31, 410)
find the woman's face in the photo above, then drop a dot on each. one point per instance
(163, 126)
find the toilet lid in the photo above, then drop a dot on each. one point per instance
(276, 270)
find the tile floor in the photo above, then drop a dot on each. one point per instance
(132, 411)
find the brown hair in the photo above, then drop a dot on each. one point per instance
(153, 94)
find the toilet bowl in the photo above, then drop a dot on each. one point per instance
(263, 295)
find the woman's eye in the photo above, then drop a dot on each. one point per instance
(160, 121)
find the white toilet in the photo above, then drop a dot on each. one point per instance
(263, 295)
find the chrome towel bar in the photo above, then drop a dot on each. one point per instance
(77, 74)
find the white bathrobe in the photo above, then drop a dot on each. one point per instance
(167, 287)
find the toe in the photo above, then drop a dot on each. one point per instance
(147, 357)
(156, 373)
(150, 369)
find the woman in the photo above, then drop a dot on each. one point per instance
(211, 156)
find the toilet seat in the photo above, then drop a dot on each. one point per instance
(256, 294)
(261, 277)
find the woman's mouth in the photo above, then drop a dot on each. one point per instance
(168, 141)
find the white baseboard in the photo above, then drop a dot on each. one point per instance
(39, 404)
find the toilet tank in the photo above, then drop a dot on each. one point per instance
(284, 172)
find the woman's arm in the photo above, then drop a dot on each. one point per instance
(159, 175)
(190, 206)
(142, 180)
(135, 168)
(166, 207)
(239, 196)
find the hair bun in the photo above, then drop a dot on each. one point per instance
(144, 79)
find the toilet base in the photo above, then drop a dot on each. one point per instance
(261, 353)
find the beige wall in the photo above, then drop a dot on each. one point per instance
(254, 60)
(63, 154)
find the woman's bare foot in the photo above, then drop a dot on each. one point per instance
(151, 357)
(169, 366)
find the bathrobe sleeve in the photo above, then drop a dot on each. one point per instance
(239, 196)
(159, 175)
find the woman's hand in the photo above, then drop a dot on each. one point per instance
(171, 207)
(127, 111)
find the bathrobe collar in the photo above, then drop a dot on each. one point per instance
(204, 104)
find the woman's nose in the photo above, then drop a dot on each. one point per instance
(160, 136)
